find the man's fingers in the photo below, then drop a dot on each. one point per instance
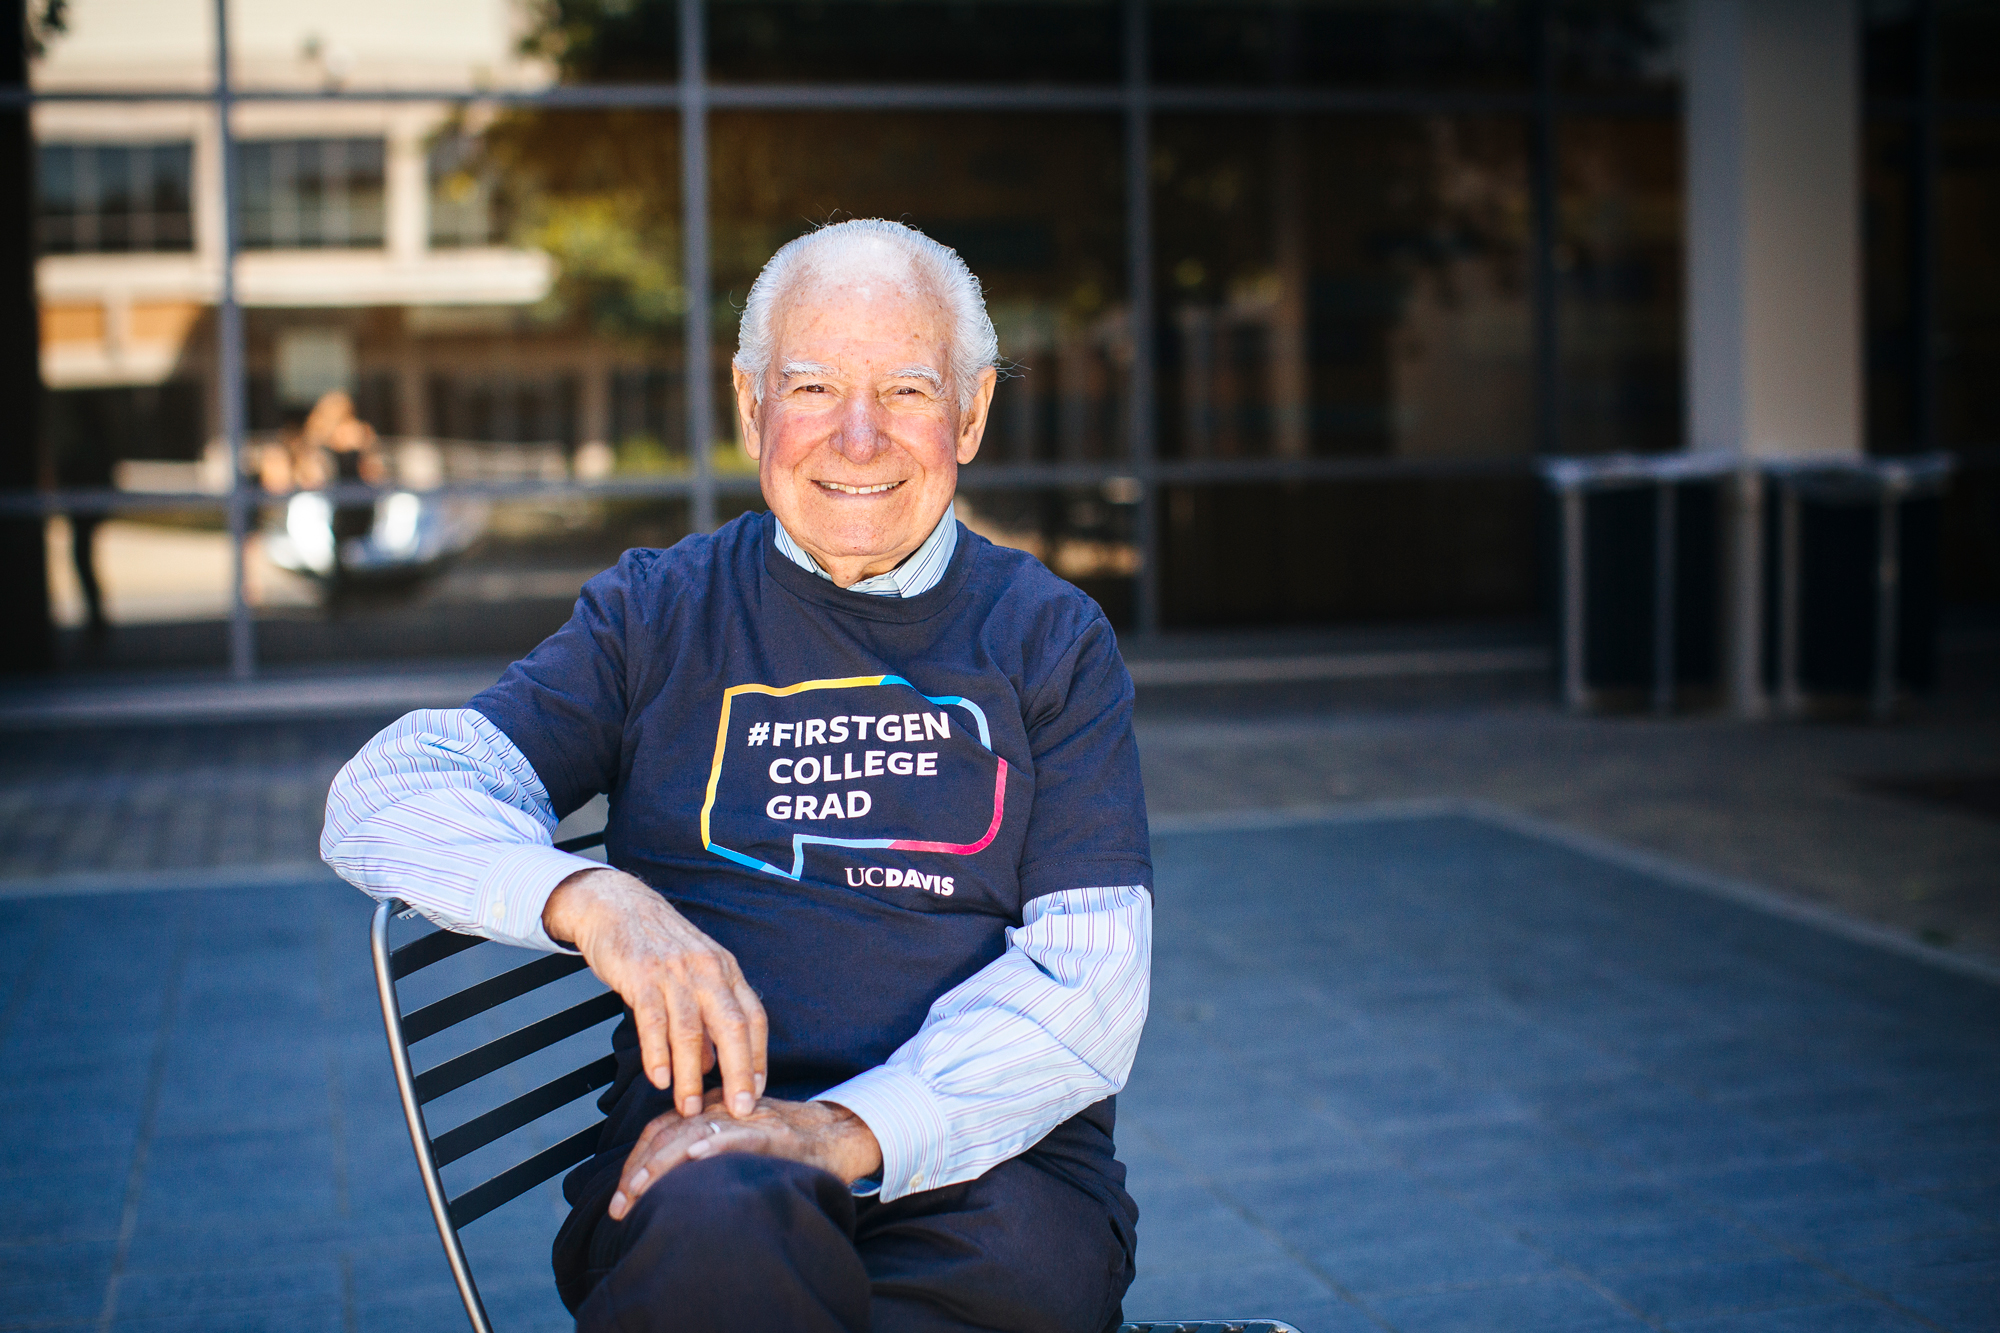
(727, 1027)
(669, 1142)
(684, 1031)
(760, 1034)
(659, 1150)
(649, 1015)
(641, 1171)
(748, 1138)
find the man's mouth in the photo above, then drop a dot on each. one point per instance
(844, 489)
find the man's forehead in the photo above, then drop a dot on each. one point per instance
(830, 329)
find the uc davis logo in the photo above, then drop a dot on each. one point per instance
(860, 761)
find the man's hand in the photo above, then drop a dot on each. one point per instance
(686, 992)
(820, 1134)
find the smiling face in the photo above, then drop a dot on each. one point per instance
(859, 437)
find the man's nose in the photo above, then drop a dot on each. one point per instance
(863, 429)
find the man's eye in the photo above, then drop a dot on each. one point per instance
(812, 388)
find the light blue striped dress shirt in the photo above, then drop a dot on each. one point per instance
(442, 810)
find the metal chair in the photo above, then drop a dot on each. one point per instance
(420, 1088)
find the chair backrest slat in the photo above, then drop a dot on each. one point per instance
(517, 1180)
(435, 947)
(481, 1130)
(460, 1070)
(477, 999)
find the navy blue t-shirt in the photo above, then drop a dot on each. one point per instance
(855, 795)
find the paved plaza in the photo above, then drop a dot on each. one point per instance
(1405, 1071)
(1469, 1015)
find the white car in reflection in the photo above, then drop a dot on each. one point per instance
(411, 538)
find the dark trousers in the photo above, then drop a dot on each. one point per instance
(741, 1242)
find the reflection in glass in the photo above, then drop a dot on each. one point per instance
(1351, 43)
(1032, 202)
(1613, 46)
(525, 325)
(315, 45)
(1891, 46)
(598, 193)
(914, 41)
(1968, 36)
(1968, 215)
(110, 198)
(311, 193)
(1086, 534)
(530, 286)
(509, 576)
(1341, 286)
(1378, 551)
(607, 41)
(139, 568)
(467, 204)
(1888, 272)
(1618, 264)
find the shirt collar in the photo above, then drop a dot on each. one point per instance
(915, 576)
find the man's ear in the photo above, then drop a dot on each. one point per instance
(972, 424)
(746, 413)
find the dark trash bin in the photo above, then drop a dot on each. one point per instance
(1852, 568)
(1639, 574)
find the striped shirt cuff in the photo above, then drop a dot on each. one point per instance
(907, 1122)
(510, 896)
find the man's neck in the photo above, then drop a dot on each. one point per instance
(916, 572)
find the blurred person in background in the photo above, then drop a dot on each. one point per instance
(88, 462)
(878, 900)
(332, 447)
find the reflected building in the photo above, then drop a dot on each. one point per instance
(1293, 292)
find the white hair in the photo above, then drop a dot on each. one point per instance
(877, 246)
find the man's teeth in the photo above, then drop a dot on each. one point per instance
(860, 490)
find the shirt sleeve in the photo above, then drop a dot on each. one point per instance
(1023, 1044)
(1088, 821)
(443, 811)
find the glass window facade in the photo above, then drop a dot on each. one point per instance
(311, 194)
(915, 41)
(110, 198)
(1319, 279)
(467, 205)
(1342, 43)
(1292, 293)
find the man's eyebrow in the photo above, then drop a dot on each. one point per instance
(792, 369)
(926, 373)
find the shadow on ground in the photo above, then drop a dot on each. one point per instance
(1422, 1074)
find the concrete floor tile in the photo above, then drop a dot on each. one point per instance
(1187, 1229)
(1595, 1202)
(1835, 1221)
(288, 1319)
(1770, 1182)
(1246, 1291)
(1847, 1317)
(1546, 1305)
(1668, 1239)
(1916, 1265)
(1962, 1307)
(1442, 1011)
(1431, 1259)
(227, 1290)
(1724, 1288)
(49, 1300)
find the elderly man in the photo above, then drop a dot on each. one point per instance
(881, 915)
